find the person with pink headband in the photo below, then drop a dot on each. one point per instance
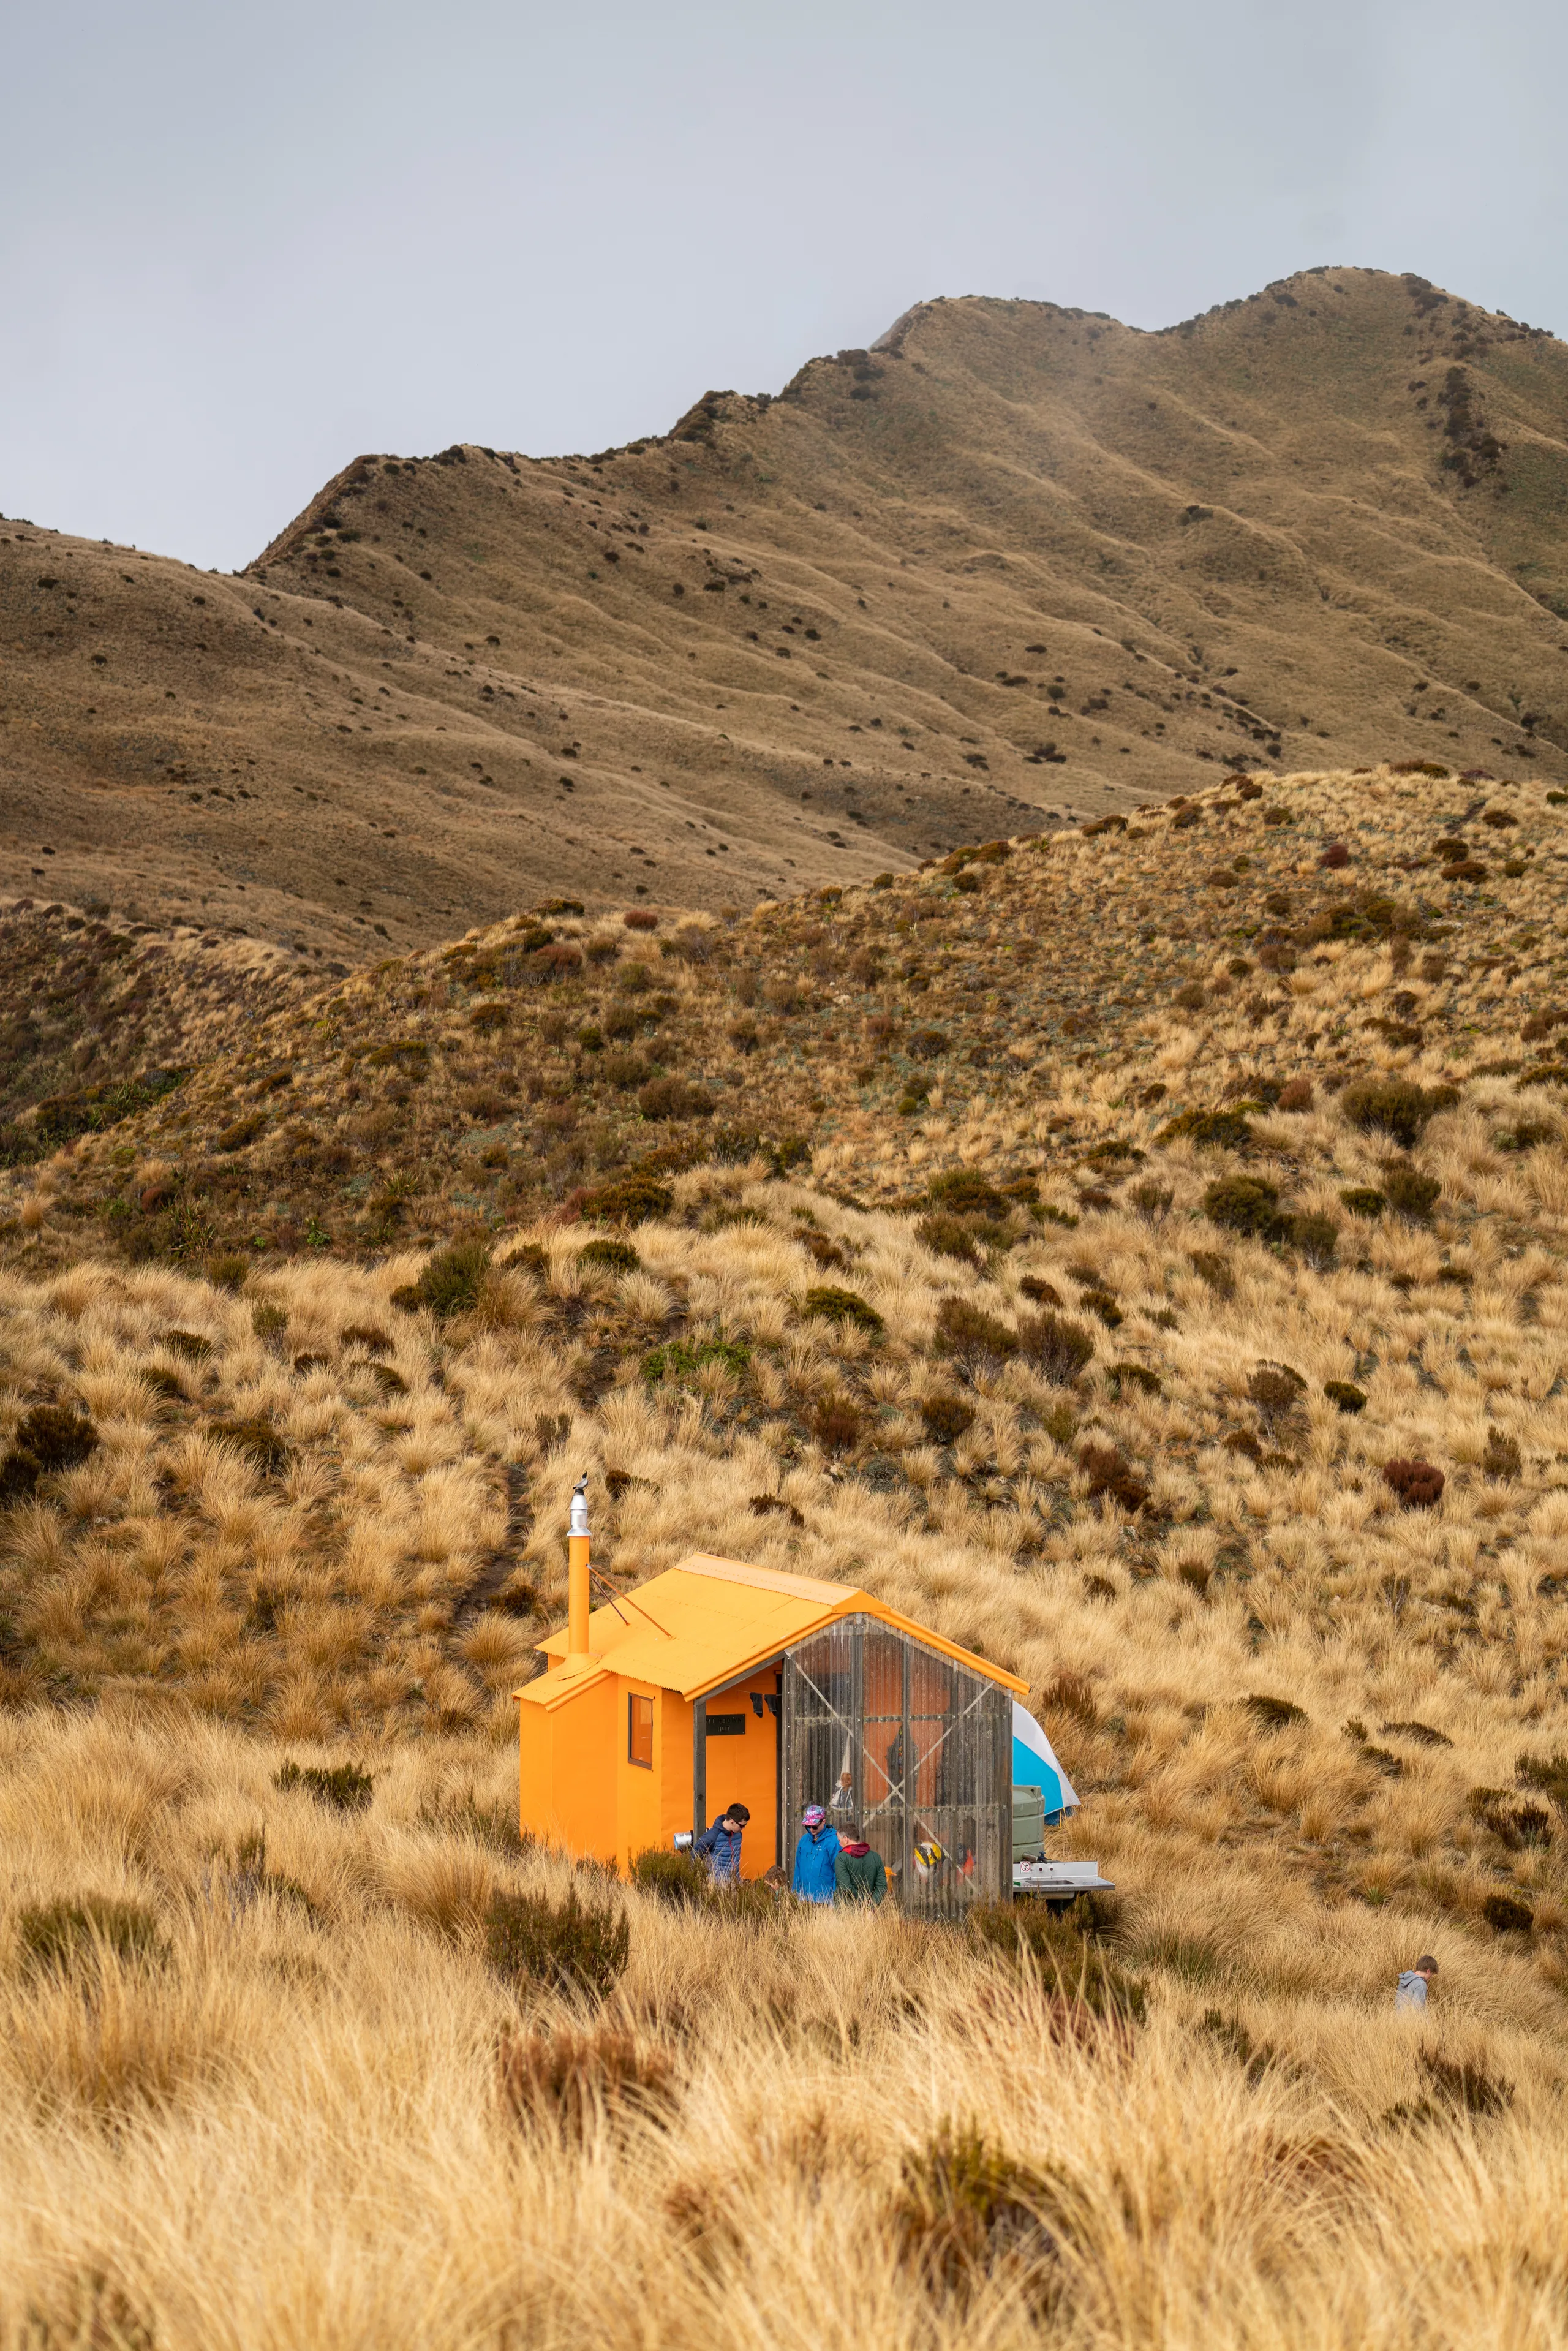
(814, 1856)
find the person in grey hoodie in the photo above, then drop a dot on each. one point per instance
(1412, 1984)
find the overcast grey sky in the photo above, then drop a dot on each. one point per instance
(240, 244)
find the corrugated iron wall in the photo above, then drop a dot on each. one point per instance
(908, 1750)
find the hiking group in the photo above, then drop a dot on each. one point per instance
(828, 1867)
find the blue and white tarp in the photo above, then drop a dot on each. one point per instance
(1035, 1766)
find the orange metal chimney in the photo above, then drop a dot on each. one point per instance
(577, 1600)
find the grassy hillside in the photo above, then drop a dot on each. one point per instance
(1137, 1252)
(1015, 562)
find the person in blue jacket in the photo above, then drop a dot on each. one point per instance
(814, 1856)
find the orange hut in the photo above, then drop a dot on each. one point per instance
(717, 1683)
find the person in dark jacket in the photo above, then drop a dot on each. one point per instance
(859, 1874)
(719, 1846)
(814, 1856)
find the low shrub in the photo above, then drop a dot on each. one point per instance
(341, 1788)
(451, 1280)
(1417, 1484)
(1506, 1914)
(1211, 1130)
(673, 1098)
(1409, 1193)
(1344, 1395)
(616, 1256)
(60, 1938)
(1245, 1203)
(828, 1303)
(577, 1947)
(1276, 1390)
(1393, 1106)
(48, 1438)
(632, 1199)
(1059, 1349)
(964, 2212)
(683, 1359)
(681, 1881)
(1076, 1965)
(951, 1236)
(579, 2077)
(259, 1440)
(1315, 1237)
(969, 1334)
(1110, 1472)
(1503, 1458)
(946, 1418)
(1296, 1096)
(836, 1423)
(964, 1192)
(1274, 1713)
(1363, 1200)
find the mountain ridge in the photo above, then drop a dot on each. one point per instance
(1026, 565)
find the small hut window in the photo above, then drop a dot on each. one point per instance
(640, 1731)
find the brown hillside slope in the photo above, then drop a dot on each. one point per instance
(1322, 927)
(1016, 559)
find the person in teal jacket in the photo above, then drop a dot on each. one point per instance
(814, 1856)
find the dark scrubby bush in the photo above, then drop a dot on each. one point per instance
(1211, 1130)
(1417, 1484)
(1296, 1096)
(964, 1192)
(1503, 1458)
(1344, 1395)
(966, 2212)
(1059, 1349)
(577, 2078)
(946, 1418)
(969, 1334)
(1364, 1202)
(1547, 1772)
(48, 1438)
(60, 1938)
(575, 1947)
(261, 1443)
(683, 1359)
(450, 1283)
(1393, 1106)
(633, 1199)
(828, 1303)
(1409, 1193)
(1109, 1471)
(1077, 1966)
(1245, 1203)
(1274, 1713)
(1506, 1914)
(1276, 1390)
(244, 1130)
(1315, 1237)
(954, 1237)
(673, 1098)
(681, 1881)
(616, 1256)
(836, 1423)
(1151, 1200)
(340, 1788)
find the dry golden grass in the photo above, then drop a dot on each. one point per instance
(1316, 1732)
(290, 2122)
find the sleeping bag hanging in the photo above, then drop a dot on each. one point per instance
(1035, 1766)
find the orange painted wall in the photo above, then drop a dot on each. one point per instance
(579, 1788)
(567, 1760)
(638, 1805)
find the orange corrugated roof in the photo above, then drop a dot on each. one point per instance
(707, 1621)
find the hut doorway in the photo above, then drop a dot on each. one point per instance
(907, 1750)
